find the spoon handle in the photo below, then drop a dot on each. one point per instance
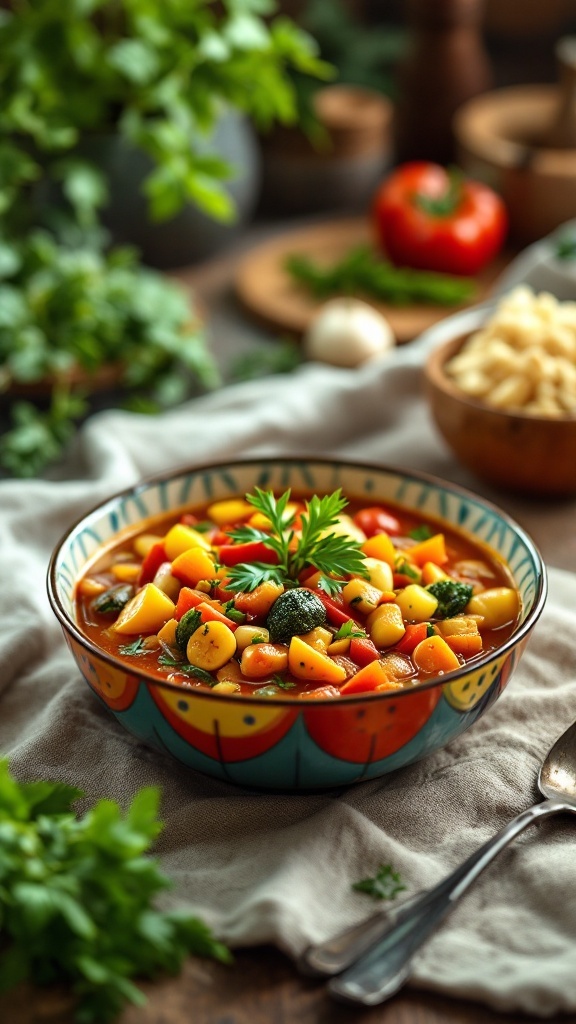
(379, 973)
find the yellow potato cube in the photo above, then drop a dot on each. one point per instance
(379, 573)
(144, 542)
(226, 686)
(386, 625)
(345, 527)
(211, 646)
(126, 572)
(168, 633)
(361, 595)
(231, 510)
(319, 638)
(306, 663)
(146, 612)
(416, 603)
(193, 565)
(497, 606)
(246, 635)
(181, 538)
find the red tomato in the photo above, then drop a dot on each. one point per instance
(377, 520)
(429, 218)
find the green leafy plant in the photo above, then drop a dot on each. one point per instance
(384, 885)
(64, 309)
(331, 553)
(77, 898)
(156, 74)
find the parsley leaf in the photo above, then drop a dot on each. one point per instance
(187, 669)
(187, 625)
(332, 553)
(77, 898)
(384, 885)
(422, 532)
(349, 630)
(136, 647)
(284, 684)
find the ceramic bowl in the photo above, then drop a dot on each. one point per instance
(288, 744)
(514, 451)
(496, 140)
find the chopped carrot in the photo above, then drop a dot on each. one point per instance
(433, 655)
(368, 678)
(431, 550)
(210, 613)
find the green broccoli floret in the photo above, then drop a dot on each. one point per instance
(452, 597)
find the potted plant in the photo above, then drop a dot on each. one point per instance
(88, 87)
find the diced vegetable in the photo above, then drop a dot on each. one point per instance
(434, 656)
(146, 612)
(361, 596)
(181, 538)
(497, 606)
(379, 574)
(432, 573)
(380, 546)
(415, 632)
(226, 686)
(260, 600)
(452, 597)
(167, 635)
(211, 646)
(262, 660)
(193, 565)
(306, 663)
(372, 677)
(164, 580)
(433, 549)
(187, 625)
(363, 650)
(231, 510)
(154, 558)
(319, 638)
(416, 603)
(295, 612)
(246, 635)
(386, 625)
(253, 551)
(113, 600)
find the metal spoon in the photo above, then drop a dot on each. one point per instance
(392, 940)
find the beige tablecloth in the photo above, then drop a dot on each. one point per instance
(273, 868)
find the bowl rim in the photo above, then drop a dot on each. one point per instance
(143, 676)
(436, 376)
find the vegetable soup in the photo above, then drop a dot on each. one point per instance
(284, 595)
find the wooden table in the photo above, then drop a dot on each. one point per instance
(263, 986)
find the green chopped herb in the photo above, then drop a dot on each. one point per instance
(566, 247)
(385, 885)
(284, 684)
(422, 532)
(430, 631)
(136, 647)
(187, 669)
(452, 597)
(187, 625)
(113, 600)
(233, 613)
(362, 272)
(404, 568)
(77, 898)
(349, 630)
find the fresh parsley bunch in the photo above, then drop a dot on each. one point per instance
(69, 307)
(76, 898)
(333, 554)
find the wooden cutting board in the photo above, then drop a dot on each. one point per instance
(268, 292)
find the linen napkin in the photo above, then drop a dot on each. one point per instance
(268, 867)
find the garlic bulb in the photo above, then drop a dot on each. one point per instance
(347, 332)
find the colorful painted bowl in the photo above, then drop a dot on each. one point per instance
(287, 744)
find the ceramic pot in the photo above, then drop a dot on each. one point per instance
(191, 235)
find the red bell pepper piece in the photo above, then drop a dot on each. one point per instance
(363, 650)
(334, 606)
(152, 562)
(187, 599)
(415, 632)
(251, 551)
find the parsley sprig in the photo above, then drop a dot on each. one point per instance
(332, 553)
(77, 898)
(384, 885)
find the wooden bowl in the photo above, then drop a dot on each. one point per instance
(514, 451)
(497, 141)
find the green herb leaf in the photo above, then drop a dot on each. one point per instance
(136, 647)
(113, 600)
(284, 684)
(384, 885)
(187, 625)
(77, 898)
(349, 630)
(422, 532)
(187, 669)
(362, 272)
(404, 568)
